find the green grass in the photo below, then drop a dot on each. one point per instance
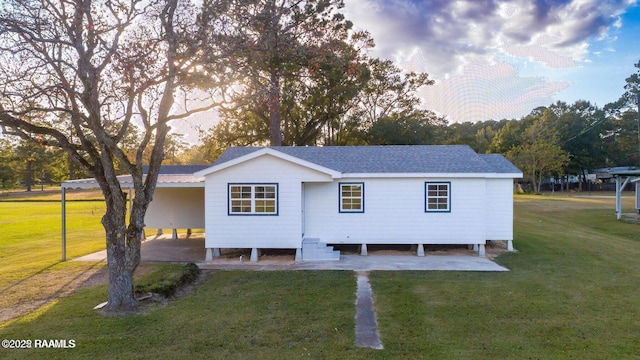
(233, 315)
(32, 238)
(572, 293)
(31, 273)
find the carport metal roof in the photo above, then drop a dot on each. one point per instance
(126, 182)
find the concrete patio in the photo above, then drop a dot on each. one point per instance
(163, 248)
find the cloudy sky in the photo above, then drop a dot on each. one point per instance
(495, 59)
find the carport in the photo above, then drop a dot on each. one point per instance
(178, 201)
(623, 178)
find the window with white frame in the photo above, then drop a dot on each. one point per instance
(253, 199)
(352, 197)
(437, 197)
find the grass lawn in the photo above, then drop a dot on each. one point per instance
(35, 241)
(572, 293)
(31, 273)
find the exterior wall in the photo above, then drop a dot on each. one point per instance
(499, 214)
(283, 230)
(395, 213)
(174, 208)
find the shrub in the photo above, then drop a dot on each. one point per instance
(168, 279)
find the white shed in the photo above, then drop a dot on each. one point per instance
(306, 198)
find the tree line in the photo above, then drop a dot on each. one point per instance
(555, 140)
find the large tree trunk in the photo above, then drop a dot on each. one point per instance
(123, 254)
(536, 179)
(274, 109)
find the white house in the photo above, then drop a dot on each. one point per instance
(304, 198)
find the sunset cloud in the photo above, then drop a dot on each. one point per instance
(465, 44)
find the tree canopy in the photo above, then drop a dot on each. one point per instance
(266, 45)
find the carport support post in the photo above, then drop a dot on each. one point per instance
(64, 224)
(619, 189)
(618, 198)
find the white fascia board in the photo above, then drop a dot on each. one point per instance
(268, 151)
(503, 176)
(435, 175)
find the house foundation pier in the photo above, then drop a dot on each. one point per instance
(255, 254)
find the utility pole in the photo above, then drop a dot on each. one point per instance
(638, 104)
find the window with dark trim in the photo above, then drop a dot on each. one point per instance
(253, 199)
(437, 197)
(351, 197)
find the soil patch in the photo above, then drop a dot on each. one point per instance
(45, 287)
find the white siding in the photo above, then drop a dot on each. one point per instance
(499, 214)
(394, 212)
(247, 231)
(174, 208)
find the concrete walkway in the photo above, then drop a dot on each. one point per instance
(367, 334)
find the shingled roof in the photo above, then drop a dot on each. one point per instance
(390, 159)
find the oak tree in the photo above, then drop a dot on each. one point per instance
(537, 153)
(83, 74)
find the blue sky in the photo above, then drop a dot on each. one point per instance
(495, 59)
